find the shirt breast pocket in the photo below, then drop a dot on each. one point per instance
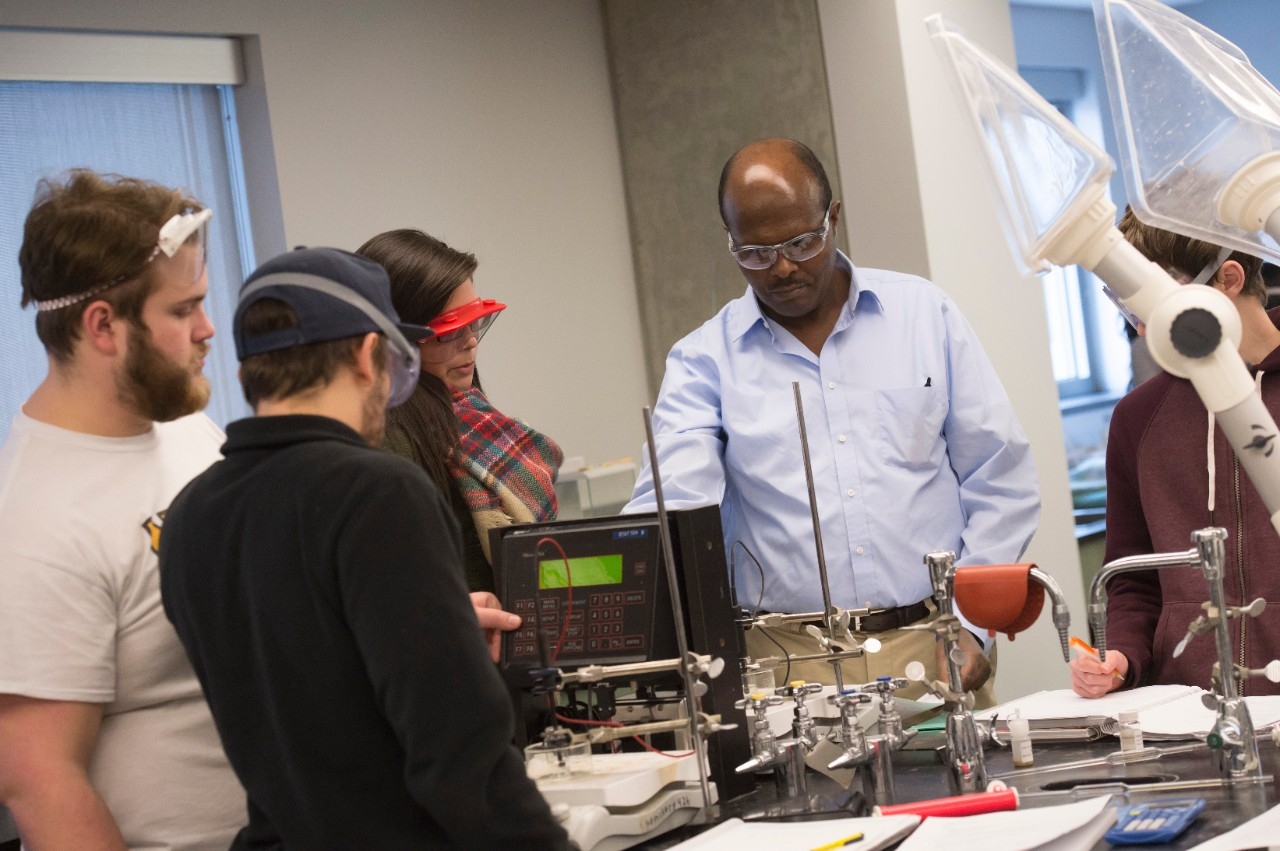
(909, 426)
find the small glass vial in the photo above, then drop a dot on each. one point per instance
(1130, 732)
(1020, 741)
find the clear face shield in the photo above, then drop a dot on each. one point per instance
(1206, 274)
(190, 228)
(186, 229)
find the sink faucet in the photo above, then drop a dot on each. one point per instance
(872, 755)
(1233, 746)
(784, 756)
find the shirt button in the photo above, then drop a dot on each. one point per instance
(851, 492)
(858, 550)
(831, 385)
(841, 438)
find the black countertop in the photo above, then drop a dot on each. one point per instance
(919, 774)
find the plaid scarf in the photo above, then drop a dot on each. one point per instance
(505, 471)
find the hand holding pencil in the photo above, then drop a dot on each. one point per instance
(1090, 677)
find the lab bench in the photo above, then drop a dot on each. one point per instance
(920, 775)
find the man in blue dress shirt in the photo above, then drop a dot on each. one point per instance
(913, 443)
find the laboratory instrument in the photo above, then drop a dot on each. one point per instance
(621, 609)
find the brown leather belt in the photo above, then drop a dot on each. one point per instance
(883, 620)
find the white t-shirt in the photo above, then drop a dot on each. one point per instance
(81, 620)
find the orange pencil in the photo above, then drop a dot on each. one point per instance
(1083, 646)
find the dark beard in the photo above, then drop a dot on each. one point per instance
(373, 416)
(156, 387)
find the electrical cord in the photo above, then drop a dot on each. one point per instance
(733, 596)
(568, 607)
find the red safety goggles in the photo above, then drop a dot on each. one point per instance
(474, 317)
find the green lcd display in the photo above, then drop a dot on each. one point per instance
(589, 570)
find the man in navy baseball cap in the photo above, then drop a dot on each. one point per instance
(316, 583)
(334, 294)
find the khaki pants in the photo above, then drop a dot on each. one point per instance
(898, 647)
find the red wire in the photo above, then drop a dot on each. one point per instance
(568, 574)
(589, 723)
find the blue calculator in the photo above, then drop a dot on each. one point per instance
(1154, 821)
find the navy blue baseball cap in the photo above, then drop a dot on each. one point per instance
(335, 294)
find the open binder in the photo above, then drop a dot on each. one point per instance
(1165, 712)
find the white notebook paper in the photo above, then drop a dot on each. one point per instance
(1067, 706)
(1065, 827)
(1164, 711)
(738, 835)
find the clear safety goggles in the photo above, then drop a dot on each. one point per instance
(403, 359)
(798, 249)
(474, 317)
(182, 229)
(1205, 275)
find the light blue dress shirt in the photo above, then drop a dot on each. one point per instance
(914, 447)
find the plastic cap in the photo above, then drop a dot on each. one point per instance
(1129, 716)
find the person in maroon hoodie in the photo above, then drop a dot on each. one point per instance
(1170, 471)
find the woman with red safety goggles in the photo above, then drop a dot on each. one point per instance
(496, 470)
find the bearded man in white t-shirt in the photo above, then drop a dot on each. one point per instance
(106, 741)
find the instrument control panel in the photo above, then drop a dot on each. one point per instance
(603, 601)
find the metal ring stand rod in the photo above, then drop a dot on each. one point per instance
(817, 532)
(677, 610)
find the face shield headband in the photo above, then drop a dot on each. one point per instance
(403, 359)
(175, 233)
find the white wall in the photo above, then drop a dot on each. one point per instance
(489, 125)
(933, 206)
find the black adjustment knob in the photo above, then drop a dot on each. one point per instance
(1196, 333)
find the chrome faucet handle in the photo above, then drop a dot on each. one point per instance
(798, 689)
(758, 702)
(803, 728)
(853, 739)
(852, 697)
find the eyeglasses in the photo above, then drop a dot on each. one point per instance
(181, 229)
(472, 318)
(798, 249)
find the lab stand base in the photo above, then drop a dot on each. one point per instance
(627, 799)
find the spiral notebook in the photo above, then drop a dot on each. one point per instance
(1164, 711)
(737, 835)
